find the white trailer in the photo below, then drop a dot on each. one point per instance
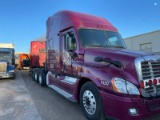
(6, 45)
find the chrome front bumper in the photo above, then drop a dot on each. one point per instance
(7, 75)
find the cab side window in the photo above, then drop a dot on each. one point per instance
(70, 42)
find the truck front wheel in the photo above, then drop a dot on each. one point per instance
(14, 77)
(90, 102)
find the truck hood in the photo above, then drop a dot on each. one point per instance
(125, 56)
(115, 54)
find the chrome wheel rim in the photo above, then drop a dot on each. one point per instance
(89, 102)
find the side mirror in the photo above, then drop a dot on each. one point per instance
(73, 54)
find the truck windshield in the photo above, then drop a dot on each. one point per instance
(100, 38)
(5, 55)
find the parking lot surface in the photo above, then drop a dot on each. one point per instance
(15, 101)
(25, 99)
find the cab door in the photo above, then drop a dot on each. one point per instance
(68, 52)
(69, 55)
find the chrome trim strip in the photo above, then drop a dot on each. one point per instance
(62, 92)
(138, 67)
(69, 80)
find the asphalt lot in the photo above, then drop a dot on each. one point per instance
(15, 101)
(50, 104)
(25, 99)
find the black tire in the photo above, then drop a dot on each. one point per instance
(14, 77)
(33, 74)
(90, 98)
(36, 74)
(42, 78)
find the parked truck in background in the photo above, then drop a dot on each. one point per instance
(23, 61)
(87, 62)
(37, 57)
(7, 61)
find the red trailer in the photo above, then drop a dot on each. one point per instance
(37, 57)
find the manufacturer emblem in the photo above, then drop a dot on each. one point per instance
(105, 83)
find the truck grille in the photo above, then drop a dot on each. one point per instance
(3, 66)
(150, 69)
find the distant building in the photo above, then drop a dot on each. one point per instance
(148, 42)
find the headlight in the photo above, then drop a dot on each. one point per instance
(123, 86)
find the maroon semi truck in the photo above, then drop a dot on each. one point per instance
(87, 62)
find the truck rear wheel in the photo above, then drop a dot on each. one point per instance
(41, 77)
(35, 74)
(90, 102)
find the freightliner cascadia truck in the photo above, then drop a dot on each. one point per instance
(87, 62)
(7, 61)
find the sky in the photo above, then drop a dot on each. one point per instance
(22, 21)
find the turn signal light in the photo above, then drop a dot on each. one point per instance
(155, 82)
(142, 84)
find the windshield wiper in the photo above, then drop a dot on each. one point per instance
(116, 63)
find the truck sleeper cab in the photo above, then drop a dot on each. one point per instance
(87, 61)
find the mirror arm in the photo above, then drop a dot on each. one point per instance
(72, 54)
